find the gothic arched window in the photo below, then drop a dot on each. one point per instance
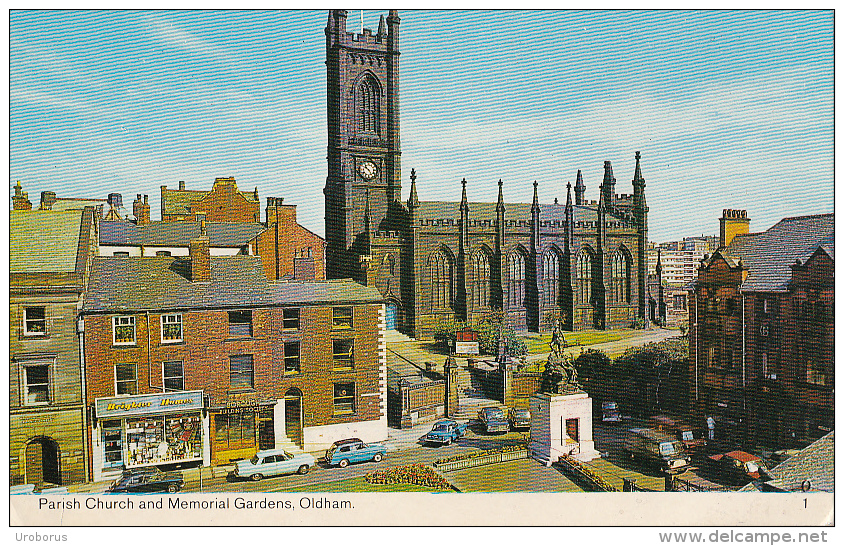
(516, 270)
(368, 106)
(480, 280)
(584, 277)
(440, 280)
(620, 278)
(551, 277)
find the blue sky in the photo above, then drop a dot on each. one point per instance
(730, 109)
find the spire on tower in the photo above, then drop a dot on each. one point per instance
(413, 200)
(382, 26)
(464, 201)
(500, 206)
(568, 193)
(579, 189)
(535, 205)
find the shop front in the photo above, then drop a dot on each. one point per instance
(148, 430)
(240, 429)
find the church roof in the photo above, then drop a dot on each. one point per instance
(162, 283)
(435, 210)
(768, 255)
(222, 234)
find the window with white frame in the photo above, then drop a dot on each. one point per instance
(174, 376)
(171, 328)
(123, 329)
(36, 383)
(35, 321)
(125, 379)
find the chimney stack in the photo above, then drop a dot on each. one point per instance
(181, 184)
(21, 199)
(141, 210)
(47, 200)
(733, 222)
(200, 256)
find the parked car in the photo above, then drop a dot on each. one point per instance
(658, 450)
(610, 413)
(147, 480)
(353, 450)
(493, 420)
(739, 467)
(445, 431)
(273, 462)
(692, 438)
(519, 418)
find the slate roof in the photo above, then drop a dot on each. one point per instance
(768, 255)
(435, 210)
(66, 203)
(221, 234)
(43, 241)
(815, 464)
(162, 283)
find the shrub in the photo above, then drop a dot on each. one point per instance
(488, 332)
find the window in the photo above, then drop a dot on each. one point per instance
(36, 384)
(162, 253)
(123, 329)
(584, 278)
(367, 98)
(174, 376)
(241, 373)
(234, 431)
(240, 323)
(344, 398)
(126, 379)
(121, 254)
(344, 353)
(551, 278)
(290, 319)
(480, 280)
(620, 278)
(291, 357)
(342, 317)
(516, 270)
(171, 328)
(815, 373)
(34, 321)
(440, 281)
(112, 440)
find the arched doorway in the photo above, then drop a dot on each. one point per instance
(42, 461)
(392, 316)
(293, 416)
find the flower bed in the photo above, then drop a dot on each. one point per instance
(480, 458)
(416, 474)
(586, 474)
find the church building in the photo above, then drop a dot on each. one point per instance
(583, 262)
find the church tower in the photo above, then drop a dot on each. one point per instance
(364, 148)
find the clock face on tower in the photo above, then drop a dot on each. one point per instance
(367, 170)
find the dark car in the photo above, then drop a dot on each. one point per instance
(445, 431)
(493, 419)
(739, 467)
(147, 480)
(658, 450)
(610, 413)
(519, 418)
(692, 438)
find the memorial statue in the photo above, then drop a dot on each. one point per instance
(560, 375)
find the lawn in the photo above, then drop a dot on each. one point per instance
(360, 485)
(542, 344)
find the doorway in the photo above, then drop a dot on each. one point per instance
(42, 462)
(573, 429)
(293, 416)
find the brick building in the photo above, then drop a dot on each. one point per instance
(203, 359)
(582, 261)
(49, 261)
(761, 339)
(224, 203)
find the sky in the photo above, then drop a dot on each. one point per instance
(730, 109)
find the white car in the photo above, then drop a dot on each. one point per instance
(273, 462)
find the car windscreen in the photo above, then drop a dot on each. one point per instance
(687, 435)
(495, 414)
(667, 448)
(440, 428)
(254, 460)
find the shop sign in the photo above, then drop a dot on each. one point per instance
(119, 406)
(241, 405)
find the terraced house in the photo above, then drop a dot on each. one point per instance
(203, 359)
(50, 254)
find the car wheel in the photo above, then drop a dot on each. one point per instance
(173, 488)
(303, 469)
(256, 477)
(344, 463)
(377, 458)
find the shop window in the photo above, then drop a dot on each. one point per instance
(290, 319)
(35, 321)
(126, 379)
(344, 398)
(123, 330)
(171, 328)
(174, 376)
(241, 372)
(291, 357)
(113, 444)
(344, 351)
(36, 384)
(342, 317)
(240, 323)
(234, 431)
(165, 439)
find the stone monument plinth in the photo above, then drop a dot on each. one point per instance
(561, 424)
